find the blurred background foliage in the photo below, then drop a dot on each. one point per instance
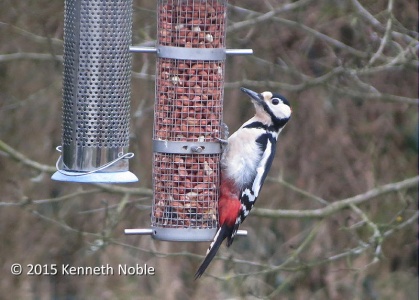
(349, 68)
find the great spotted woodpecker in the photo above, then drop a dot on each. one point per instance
(245, 163)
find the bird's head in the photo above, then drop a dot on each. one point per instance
(271, 108)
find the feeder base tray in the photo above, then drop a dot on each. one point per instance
(98, 177)
(184, 234)
(179, 234)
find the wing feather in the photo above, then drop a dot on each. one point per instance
(250, 192)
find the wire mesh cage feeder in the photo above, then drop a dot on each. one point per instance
(96, 92)
(188, 114)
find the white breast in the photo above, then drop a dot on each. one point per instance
(242, 157)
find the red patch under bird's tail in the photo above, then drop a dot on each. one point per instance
(228, 211)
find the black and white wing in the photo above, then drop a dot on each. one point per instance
(250, 192)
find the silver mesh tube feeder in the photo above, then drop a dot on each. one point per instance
(188, 113)
(96, 92)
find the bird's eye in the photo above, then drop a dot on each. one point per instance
(275, 101)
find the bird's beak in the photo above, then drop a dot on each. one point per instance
(258, 98)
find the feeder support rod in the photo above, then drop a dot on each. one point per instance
(138, 49)
(143, 49)
(239, 51)
(138, 231)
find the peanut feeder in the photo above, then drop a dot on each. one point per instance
(188, 115)
(187, 120)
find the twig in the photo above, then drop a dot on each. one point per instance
(63, 225)
(363, 247)
(112, 220)
(298, 190)
(378, 95)
(286, 283)
(338, 205)
(292, 258)
(100, 209)
(30, 56)
(25, 160)
(400, 226)
(294, 24)
(374, 22)
(34, 96)
(125, 190)
(351, 252)
(265, 17)
(377, 237)
(307, 81)
(387, 34)
(14, 154)
(32, 36)
(65, 197)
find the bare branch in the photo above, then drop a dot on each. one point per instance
(265, 17)
(30, 56)
(125, 190)
(385, 39)
(298, 190)
(63, 225)
(271, 16)
(292, 258)
(377, 237)
(304, 266)
(307, 81)
(32, 97)
(25, 160)
(338, 205)
(14, 154)
(338, 89)
(377, 24)
(363, 247)
(377, 95)
(32, 36)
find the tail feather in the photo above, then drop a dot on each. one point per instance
(223, 232)
(231, 236)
